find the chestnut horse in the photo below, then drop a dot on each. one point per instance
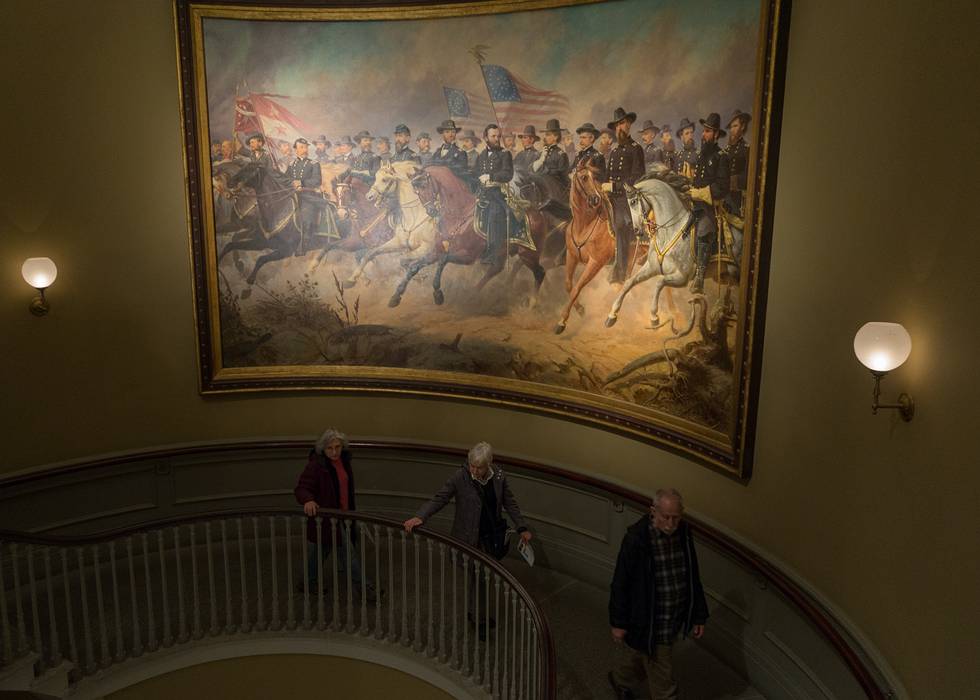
(450, 201)
(588, 238)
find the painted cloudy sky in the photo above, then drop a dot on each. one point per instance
(664, 59)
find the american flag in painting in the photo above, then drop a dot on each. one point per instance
(518, 103)
(468, 110)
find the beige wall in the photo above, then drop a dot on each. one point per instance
(875, 220)
(282, 676)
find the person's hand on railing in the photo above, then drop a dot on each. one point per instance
(618, 635)
(310, 508)
(412, 523)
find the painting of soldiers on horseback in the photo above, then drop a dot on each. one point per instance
(551, 203)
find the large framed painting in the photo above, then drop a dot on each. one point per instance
(563, 206)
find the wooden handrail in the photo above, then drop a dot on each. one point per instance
(809, 608)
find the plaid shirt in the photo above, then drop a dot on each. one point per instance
(670, 585)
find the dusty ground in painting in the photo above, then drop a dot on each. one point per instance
(295, 316)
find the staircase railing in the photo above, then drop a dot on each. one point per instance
(98, 601)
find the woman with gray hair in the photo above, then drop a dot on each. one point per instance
(328, 482)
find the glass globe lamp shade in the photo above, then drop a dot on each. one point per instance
(881, 347)
(39, 272)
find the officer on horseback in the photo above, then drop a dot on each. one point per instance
(587, 134)
(687, 157)
(626, 166)
(305, 177)
(710, 184)
(449, 154)
(366, 164)
(403, 137)
(552, 166)
(494, 169)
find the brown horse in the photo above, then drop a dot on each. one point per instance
(588, 238)
(449, 200)
(362, 223)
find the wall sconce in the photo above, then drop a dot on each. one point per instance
(40, 273)
(881, 347)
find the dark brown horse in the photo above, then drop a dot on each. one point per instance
(450, 202)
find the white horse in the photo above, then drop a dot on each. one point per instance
(671, 257)
(415, 229)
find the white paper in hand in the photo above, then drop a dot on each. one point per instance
(526, 551)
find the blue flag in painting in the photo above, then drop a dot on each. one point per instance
(458, 103)
(500, 84)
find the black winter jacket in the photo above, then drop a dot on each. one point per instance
(631, 594)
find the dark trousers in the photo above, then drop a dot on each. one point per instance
(622, 224)
(706, 230)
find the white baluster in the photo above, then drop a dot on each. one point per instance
(418, 596)
(182, 635)
(196, 631)
(290, 602)
(364, 576)
(229, 620)
(454, 650)
(137, 641)
(116, 610)
(8, 644)
(52, 622)
(527, 654)
(334, 575)
(465, 661)
(476, 621)
(495, 680)
(404, 632)
(21, 629)
(69, 615)
(486, 646)
(378, 632)
(214, 630)
(321, 621)
(86, 625)
(168, 637)
(36, 643)
(246, 625)
(348, 556)
(441, 652)
(514, 670)
(391, 586)
(276, 622)
(430, 642)
(259, 595)
(151, 635)
(505, 653)
(103, 628)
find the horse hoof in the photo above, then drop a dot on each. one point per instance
(394, 301)
(610, 321)
(438, 297)
(349, 284)
(559, 329)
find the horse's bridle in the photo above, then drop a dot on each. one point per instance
(422, 183)
(593, 201)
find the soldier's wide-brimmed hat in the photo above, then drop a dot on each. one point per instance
(685, 123)
(529, 130)
(665, 128)
(301, 140)
(619, 115)
(590, 127)
(256, 135)
(713, 122)
(469, 134)
(321, 139)
(383, 139)
(609, 132)
(741, 116)
(345, 141)
(553, 125)
(423, 135)
(363, 135)
(649, 126)
(402, 129)
(447, 125)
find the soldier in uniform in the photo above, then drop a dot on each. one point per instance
(509, 143)
(285, 158)
(733, 207)
(470, 141)
(568, 144)
(384, 150)
(215, 151)
(625, 168)
(321, 149)
(687, 157)
(304, 175)
(525, 159)
(403, 152)
(256, 151)
(709, 185)
(345, 151)
(449, 154)
(552, 166)
(604, 143)
(587, 152)
(366, 163)
(651, 149)
(494, 169)
(667, 148)
(424, 142)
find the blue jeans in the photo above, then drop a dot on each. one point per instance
(355, 563)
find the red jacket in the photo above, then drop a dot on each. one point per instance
(319, 483)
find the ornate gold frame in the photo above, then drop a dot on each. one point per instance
(729, 453)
